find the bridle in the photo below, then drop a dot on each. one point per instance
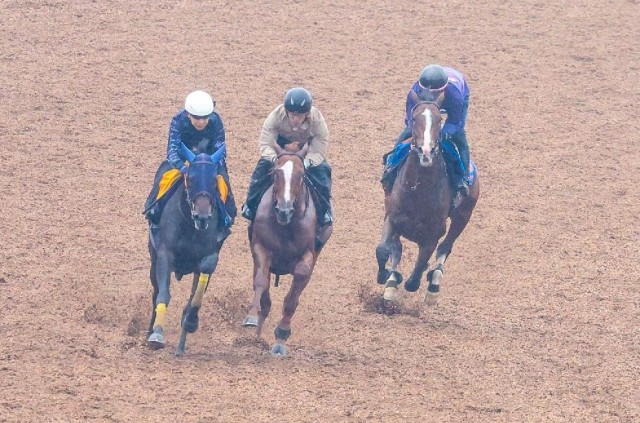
(303, 187)
(190, 202)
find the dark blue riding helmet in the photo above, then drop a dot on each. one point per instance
(298, 100)
(433, 77)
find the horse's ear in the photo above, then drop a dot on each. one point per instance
(279, 150)
(439, 99)
(219, 154)
(413, 96)
(303, 151)
(188, 154)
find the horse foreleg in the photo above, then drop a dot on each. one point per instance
(190, 320)
(395, 278)
(383, 251)
(301, 276)
(201, 278)
(459, 219)
(261, 263)
(154, 284)
(163, 276)
(425, 250)
(265, 308)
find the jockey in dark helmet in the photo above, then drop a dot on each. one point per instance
(200, 128)
(433, 80)
(295, 120)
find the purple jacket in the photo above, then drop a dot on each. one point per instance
(456, 96)
(210, 139)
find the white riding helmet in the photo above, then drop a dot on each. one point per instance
(199, 103)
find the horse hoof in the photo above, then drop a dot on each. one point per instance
(412, 285)
(278, 350)
(190, 324)
(156, 341)
(433, 292)
(431, 299)
(390, 294)
(250, 321)
(383, 276)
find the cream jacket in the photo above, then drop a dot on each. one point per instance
(313, 131)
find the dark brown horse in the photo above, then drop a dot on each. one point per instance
(283, 241)
(188, 242)
(417, 208)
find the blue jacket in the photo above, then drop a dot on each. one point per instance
(456, 94)
(210, 139)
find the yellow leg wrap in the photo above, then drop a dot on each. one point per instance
(161, 314)
(203, 281)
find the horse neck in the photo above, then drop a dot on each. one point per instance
(420, 178)
(301, 205)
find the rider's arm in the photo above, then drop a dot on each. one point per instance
(173, 146)
(268, 136)
(453, 104)
(318, 144)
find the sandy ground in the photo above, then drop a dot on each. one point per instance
(538, 318)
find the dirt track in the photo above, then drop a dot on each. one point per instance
(538, 320)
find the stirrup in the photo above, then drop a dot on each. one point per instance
(326, 220)
(463, 189)
(247, 213)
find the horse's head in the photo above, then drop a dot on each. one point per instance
(201, 185)
(288, 182)
(426, 124)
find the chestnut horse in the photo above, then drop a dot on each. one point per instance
(417, 208)
(283, 241)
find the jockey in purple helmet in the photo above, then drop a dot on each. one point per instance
(200, 128)
(434, 79)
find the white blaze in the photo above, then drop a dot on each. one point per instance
(427, 131)
(287, 169)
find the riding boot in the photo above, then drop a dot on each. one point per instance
(152, 213)
(326, 218)
(230, 203)
(260, 182)
(151, 207)
(460, 140)
(319, 177)
(154, 232)
(404, 135)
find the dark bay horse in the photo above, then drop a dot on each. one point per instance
(417, 208)
(283, 241)
(188, 242)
